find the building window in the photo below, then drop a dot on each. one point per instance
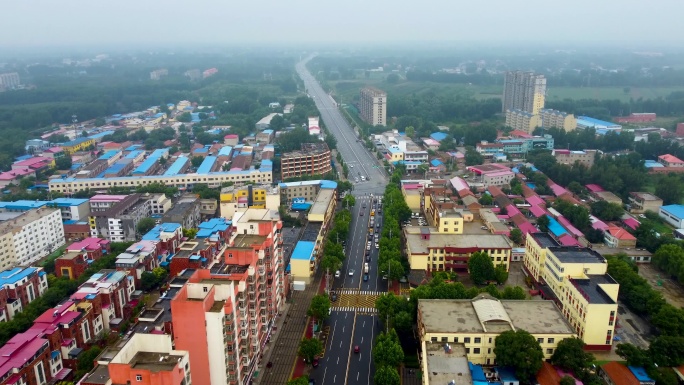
(205, 289)
(138, 377)
(478, 340)
(550, 340)
(466, 340)
(540, 340)
(549, 351)
(455, 339)
(433, 339)
(445, 339)
(476, 351)
(467, 350)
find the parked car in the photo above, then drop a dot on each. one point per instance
(337, 274)
(333, 296)
(351, 272)
(314, 363)
(365, 277)
(356, 349)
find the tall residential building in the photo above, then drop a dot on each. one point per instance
(28, 236)
(9, 80)
(312, 159)
(144, 359)
(223, 316)
(373, 106)
(576, 279)
(524, 91)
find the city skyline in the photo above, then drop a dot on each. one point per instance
(126, 22)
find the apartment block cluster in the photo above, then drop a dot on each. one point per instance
(515, 144)
(228, 288)
(524, 97)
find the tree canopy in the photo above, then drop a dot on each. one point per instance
(519, 350)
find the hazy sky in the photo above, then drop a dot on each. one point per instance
(106, 22)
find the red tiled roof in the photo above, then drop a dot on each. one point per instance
(670, 158)
(620, 233)
(547, 375)
(619, 374)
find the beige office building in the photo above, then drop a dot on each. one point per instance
(373, 106)
(522, 120)
(559, 119)
(524, 91)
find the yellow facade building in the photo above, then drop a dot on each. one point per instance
(522, 120)
(78, 144)
(429, 250)
(475, 323)
(554, 118)
(577, 280)
(240, 198)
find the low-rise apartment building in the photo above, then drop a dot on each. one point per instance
(492, 174)
(79, 255)
(480, 320)
(585, 157)
(312, 159)
(28, 236)
(143, 358)
(19, 287)
(429, 250)
(139, 257)
(109, 293)
(118, 222)
(515, 146)
(522, 120)
(186, 211)
(640, 202)
(184, 181)
(549, 118)
(576, 280)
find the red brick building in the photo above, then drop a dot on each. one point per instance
(19, 287)
(79, 256)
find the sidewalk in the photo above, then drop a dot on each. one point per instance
(282, 350)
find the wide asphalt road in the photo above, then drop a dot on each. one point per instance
(359, 160)
(353, 321)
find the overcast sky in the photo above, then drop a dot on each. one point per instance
(107, 22)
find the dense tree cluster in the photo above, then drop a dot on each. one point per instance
(520, 350)
(390, 259)
(482, 269)
(387, 355)
(640, 297)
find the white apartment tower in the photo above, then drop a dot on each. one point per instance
(373, 105)
(524, 91)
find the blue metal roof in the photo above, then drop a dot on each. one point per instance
(133, 147)
(589, 121)
(438, 136)
(75, 142)
(212, 226)
(555, 227)
(177, 166)
(328, 184)
(133, 154)
(206, 165)
(64, 202)
(225, 151)
(675, 210)
(153, 234)
(150, 161)
(640, 373)
(436, 162)
(12, 276)
(303, 251)
(100, 134)
(109, 154)
(23, 205)
(115, 168)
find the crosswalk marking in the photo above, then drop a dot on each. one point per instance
(369, 310)
(361, 292)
